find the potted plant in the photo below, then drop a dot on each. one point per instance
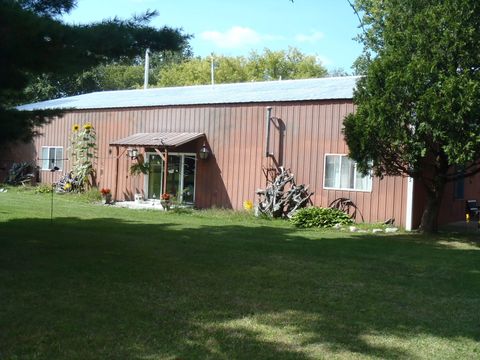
(140, 168)
(106, 195)
(165, 201)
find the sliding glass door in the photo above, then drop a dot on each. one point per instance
(180, 177)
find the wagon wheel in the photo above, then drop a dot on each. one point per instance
(347, 206)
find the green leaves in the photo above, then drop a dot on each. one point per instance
(317, 217)
(418, 107)
(37, 45)
(270, 65)
(83, 151)
(424, 78)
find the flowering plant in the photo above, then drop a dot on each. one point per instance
(165, 196)
(105, 191)
(83, 150)
(248, 205)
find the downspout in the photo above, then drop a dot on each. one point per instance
(267, 131)
(409, 205)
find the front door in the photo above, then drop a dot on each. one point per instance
(180, 177)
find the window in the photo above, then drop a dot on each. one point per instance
(341, 173)
(52, 156)
(459, 185)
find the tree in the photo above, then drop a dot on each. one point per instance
(126, 73)
(270, 65)
(36, 43)
(418, 107)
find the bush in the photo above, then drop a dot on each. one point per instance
(43, 189)
(320, 217)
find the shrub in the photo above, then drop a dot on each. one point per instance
(43, 189)
(319, 217)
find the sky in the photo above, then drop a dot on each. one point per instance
(323, 28)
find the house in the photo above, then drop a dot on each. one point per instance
(244, 128)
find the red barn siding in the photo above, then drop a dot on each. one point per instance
(301, 134)
(452, 209)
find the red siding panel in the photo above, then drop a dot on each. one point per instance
(301, 134)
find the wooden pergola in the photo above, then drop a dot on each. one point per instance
(161, 142)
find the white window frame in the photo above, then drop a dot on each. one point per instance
(340, 167)
(42, 159)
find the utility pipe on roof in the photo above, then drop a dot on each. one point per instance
(147, 66)
(212, 70)
(267, 131)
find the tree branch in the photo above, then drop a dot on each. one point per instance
(358, 16)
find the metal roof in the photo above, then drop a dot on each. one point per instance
(158, 139)
(268, 91)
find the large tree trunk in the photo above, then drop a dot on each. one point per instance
(429, 222)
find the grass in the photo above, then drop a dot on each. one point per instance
(109, 283)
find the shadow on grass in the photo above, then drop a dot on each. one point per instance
(108, 288)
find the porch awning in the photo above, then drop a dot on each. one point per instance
(164, 139)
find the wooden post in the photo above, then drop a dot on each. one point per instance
(165, 172)
(165, 169)
(117, 159)
(116, 172)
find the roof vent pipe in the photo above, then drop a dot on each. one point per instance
(212, 70)
(147, 66)
(267, 131)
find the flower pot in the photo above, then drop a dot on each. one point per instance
(165, 204)
(107, 199)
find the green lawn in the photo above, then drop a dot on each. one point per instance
(108, 283)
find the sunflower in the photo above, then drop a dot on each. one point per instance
(248, 205)
(76, 128)
(88, 126)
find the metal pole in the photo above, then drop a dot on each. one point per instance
(165, 173)
(55, 168)
(51, 205)
(212, 70)
(147, 65)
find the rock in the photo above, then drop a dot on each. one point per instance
(376, 231)
(391, 230)
(353, 229)
(337, 226)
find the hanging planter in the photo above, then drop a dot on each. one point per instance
(140, 168)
